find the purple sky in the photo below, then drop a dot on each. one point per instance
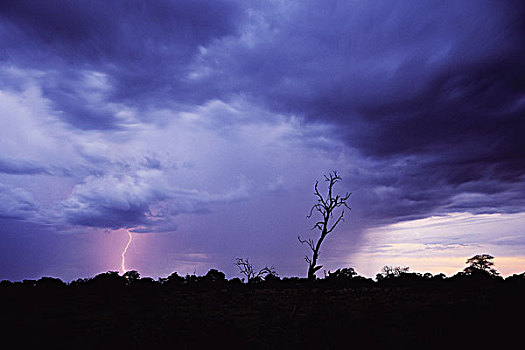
(202, 126)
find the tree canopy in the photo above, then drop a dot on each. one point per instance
(481, 263)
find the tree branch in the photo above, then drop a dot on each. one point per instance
(337, 222)
(326, 207)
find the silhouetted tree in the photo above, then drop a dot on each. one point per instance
(325, 206)
(272, 278)
(131, 277)
(481, 263)
(215, 276)
(29, 283)
(108, 281)
(517, 277)
(50, 282)
(246, 268)
(147, 281)
(391, 272)
(6, 284)
(191, 279)
(346, 273)
(439, 277)
(175, 279)
(79, 282)
(235, 282)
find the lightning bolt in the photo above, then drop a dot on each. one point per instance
(123, 263)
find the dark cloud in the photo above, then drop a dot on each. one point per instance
(16, 203)
(429, 94)
(123, 31)
(141, 200)
(152, 163)
(111, 202)
(9, 166)
(29, 167)
(144, 49)
(415, 187)
(439, 84)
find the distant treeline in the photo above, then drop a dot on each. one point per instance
(399, 309)
(346, 277)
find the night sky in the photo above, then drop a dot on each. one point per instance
(202, 126)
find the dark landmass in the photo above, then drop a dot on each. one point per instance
(341, 311)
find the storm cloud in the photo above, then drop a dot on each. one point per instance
(431, 92)
(140, 201)
(435, 86)
(16, 203)
(131, 115)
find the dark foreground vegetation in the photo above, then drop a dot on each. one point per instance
(341, 311)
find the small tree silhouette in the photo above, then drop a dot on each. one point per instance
(344, 274)
(246, 268)
(391, 272)
(326, 207)
(215, 276)
(481, 263)
(131, 277)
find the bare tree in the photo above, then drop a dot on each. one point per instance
(246, 268)
(326, 206)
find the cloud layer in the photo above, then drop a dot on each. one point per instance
(132, 115)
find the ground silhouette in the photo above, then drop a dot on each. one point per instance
(342, 310)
